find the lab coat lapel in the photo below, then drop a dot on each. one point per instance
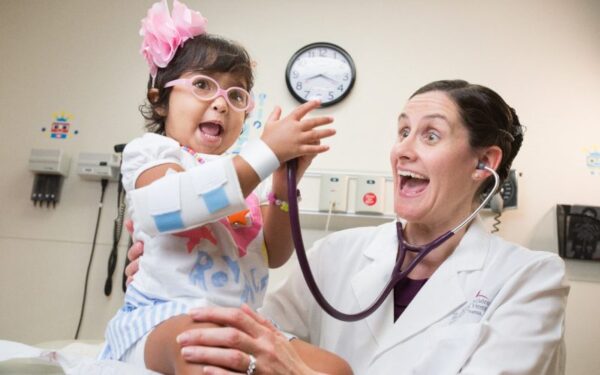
(370, 281)
(443, 293)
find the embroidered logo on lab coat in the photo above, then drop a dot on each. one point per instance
(473, 311)
(478, 305)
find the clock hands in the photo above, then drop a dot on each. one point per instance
(320, 75)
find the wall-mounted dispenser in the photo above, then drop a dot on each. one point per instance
(98, 166)
(50, 168)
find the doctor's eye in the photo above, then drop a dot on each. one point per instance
(403, 133)
(431, 137)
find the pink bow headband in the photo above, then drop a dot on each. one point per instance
(164, 33)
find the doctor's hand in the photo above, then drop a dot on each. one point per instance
(133, 254)
(241, 332)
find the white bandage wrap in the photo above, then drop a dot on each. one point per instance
(260, 157)
(180, 201)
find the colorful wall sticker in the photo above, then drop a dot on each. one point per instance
(61, 126)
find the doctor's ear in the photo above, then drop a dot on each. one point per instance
(490, 157)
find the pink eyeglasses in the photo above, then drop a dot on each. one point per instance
(206, 88)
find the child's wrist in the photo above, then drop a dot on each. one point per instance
(283, 205)
(274, 201)
(260, 157)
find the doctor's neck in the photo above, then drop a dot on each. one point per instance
(435, 258)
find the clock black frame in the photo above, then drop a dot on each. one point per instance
(307, 47)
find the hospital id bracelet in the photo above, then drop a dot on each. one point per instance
(283, 205)
(260, 157)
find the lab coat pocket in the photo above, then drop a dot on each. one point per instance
(451, 347)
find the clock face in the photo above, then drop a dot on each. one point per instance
(320, 71)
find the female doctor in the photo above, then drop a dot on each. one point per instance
(475, 305)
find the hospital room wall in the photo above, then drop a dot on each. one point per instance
(82, 58)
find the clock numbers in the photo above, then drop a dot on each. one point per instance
(320, 70)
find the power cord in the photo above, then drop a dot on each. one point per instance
(497, 205)
(497, 222)
(104, 183)
(331, 208)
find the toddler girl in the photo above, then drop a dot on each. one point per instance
(208, 236)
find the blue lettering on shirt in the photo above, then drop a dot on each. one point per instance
(219, 279)
(203, 263)
(234, 266)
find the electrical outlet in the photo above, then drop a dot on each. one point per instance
(334, 191)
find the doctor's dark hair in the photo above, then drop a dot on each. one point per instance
(204, 54)
(488, 119)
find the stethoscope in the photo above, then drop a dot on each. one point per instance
(403, 246)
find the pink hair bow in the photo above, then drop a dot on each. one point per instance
(164, 33)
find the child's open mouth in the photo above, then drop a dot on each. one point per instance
(212, 131)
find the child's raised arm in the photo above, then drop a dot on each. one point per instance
(291, 137)
(171, 203)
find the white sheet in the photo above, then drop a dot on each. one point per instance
(73, 359)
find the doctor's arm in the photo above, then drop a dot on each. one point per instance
(525, 334)
(290, 308)
(243, 330)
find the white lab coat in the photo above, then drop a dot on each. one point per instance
(491, 308)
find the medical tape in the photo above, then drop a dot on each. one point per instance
(189, 199)
(260, 157)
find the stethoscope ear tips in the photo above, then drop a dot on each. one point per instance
(480, 165)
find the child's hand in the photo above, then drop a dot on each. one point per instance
(293, 136)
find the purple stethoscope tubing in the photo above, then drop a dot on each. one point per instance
(403, 246)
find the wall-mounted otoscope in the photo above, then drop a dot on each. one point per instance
(50, 168)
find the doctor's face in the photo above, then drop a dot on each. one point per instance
(432, 163)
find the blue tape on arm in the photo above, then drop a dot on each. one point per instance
(169, 221)
(185, 200)
(216, 199)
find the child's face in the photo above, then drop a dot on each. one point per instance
(205, 126)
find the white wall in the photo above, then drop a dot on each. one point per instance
(81, 57)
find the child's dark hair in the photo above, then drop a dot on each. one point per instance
(204, 53)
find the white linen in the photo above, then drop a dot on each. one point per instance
(74, 359)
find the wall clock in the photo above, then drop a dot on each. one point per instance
(320, 70)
